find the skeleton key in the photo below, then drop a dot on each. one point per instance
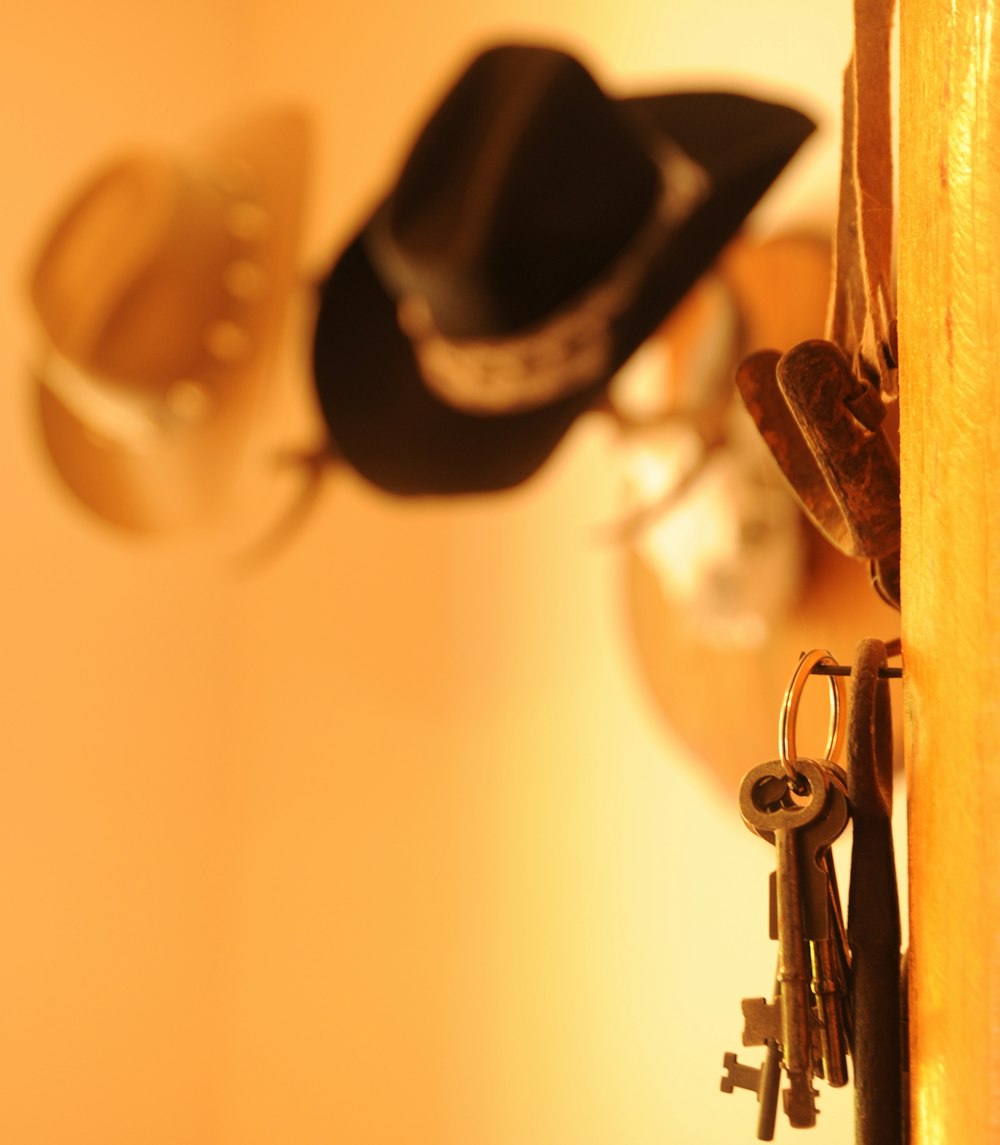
(823, 931)
(762, 1027)
(830, 991)
(783, 820)
(763, 1080)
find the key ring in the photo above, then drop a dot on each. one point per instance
(790, 710)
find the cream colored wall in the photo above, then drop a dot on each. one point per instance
(382, 844)
(118, 682)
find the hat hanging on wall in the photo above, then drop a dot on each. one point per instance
(538, 232)
(744, 558)
(160, 290)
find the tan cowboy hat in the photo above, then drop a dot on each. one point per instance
(723, 701)
(160, 291)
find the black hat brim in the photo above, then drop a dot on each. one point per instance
(388, 425)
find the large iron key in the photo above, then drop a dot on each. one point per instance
(782, 819)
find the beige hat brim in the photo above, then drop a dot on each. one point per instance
(181, 472)
(781, 289)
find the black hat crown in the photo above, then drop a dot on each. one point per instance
(538, 232)
(526, 183)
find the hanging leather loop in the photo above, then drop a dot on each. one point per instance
(822, 425)
(862, 313)
(873, 925)
(820, 406)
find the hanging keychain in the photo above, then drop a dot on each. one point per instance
(800, 806)
(837, 989)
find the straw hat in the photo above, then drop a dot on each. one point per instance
(160, 290)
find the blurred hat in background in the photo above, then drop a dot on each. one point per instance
(726, 583)
(539, 231)
(160, 290)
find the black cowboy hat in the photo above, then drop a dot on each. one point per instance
(538, 233)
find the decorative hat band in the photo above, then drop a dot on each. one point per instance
(569, 351)
(130, 416)
(129, 420)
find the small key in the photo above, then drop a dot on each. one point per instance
(830, 962)
(815, 871)
(831, 1003)
(783, 822)
(824, 928)
(824, 935)
(841, 947)
(763, 1080)
(761, 1027)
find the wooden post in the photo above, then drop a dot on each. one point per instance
(949, 307)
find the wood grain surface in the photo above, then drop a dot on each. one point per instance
(949, 306)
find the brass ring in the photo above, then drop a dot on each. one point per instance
(790, 710)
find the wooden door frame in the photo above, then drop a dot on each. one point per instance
(949, 333)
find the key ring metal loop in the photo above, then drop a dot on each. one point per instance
(790, 711)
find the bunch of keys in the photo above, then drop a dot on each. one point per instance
(801, 807)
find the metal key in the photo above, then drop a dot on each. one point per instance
(823, 929)
(829, 986)
(783, 820)
(763, 1080)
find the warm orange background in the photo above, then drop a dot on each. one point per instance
(384, 844)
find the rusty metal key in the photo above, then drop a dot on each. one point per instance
(782, 820)
(763, 1080)
(827, 948)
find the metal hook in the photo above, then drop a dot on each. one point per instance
(847, 670)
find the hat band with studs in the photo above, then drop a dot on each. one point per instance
(128, 421)
(569, 351)
(111, 413)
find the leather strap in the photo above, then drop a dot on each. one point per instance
(826, 436)
(873, 926)
(821, 405)
(863, 304)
